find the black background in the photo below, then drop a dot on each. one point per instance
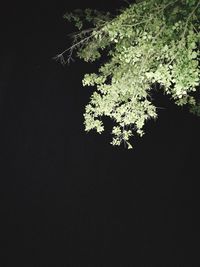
(69, 198)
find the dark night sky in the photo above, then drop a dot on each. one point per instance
(69, 198)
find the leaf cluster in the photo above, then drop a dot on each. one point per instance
(150, 42)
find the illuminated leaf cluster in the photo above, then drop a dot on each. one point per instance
(150, 42)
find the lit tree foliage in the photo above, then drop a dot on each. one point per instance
(150, 42)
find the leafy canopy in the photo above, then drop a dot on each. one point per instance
(149, 42)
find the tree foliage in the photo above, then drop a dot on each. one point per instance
(149, 42)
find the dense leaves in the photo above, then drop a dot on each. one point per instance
(150, 42)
